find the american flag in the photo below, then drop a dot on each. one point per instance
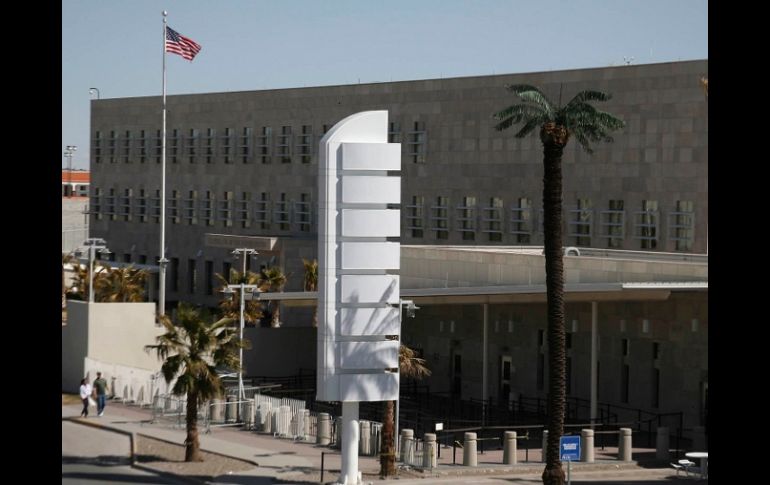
(179, 44)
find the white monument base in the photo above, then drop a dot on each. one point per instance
(349, 474)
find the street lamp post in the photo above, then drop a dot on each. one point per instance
(242, 287)
(93, 244)
(92, 90)
(68, 153)
(411, 308)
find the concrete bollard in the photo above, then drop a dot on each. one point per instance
(469, 450)
(365, 440)
(218, 411)
(587, 445)
(699, 438)
(306, 413)
(509, 448)
(231, 410)
(662, 444)
(324, 435)
(429, 451)
(407, 444)
(545, 443)
(624, 444)
(248, 413)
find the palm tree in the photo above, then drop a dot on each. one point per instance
(409, 365)
(310, 282)
(65, 259)
(121, 285)
(557, 123)
(79, 289)
(191, 350)
(273, 279)
(230, 306)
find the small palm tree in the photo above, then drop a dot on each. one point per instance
(121, 285)
(273, 279)
(230, 305)
(191, 349)
(410, 366)
(557, 123)
(310, 282)
(79, 289)
(65, 260)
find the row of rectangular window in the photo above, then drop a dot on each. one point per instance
(469, 218)
(194, 146)
(581, 220)
(206, 209)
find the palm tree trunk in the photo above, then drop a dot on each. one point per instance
(192, 451)
(388, 452)
(554, 270)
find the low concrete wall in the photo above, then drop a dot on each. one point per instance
(113, 334)
(118, 333)
(74, 346)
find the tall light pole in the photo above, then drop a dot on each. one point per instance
(93, 245)
(92, 90)
(242, 287)
(68, 152)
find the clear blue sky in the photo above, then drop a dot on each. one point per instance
(116, 45)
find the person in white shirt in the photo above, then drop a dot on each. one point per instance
(85, 393)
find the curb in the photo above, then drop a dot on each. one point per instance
(169, 475)
(132, 458)
(132, 438)
(251, 462)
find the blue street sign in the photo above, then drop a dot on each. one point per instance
(569, 448)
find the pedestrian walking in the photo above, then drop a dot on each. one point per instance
(85, 394)
(100, 386)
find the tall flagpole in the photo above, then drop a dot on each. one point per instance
(163, 261)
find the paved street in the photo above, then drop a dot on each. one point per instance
(90, 456)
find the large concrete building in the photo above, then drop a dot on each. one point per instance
(242, 172)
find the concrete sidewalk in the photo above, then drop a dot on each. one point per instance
(280, 460)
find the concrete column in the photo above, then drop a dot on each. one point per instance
(407, 444)
(545, 443)
(699, 438)
(509, 448)
(324, 436)
(429, 451)
(365, 443)
(469, 450)
(624, 444)
(587, 444)
(349, 474)
(662, 444)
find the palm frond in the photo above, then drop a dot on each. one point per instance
(529, 126)
(539, 99)
(589, 95)
(409, 365)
